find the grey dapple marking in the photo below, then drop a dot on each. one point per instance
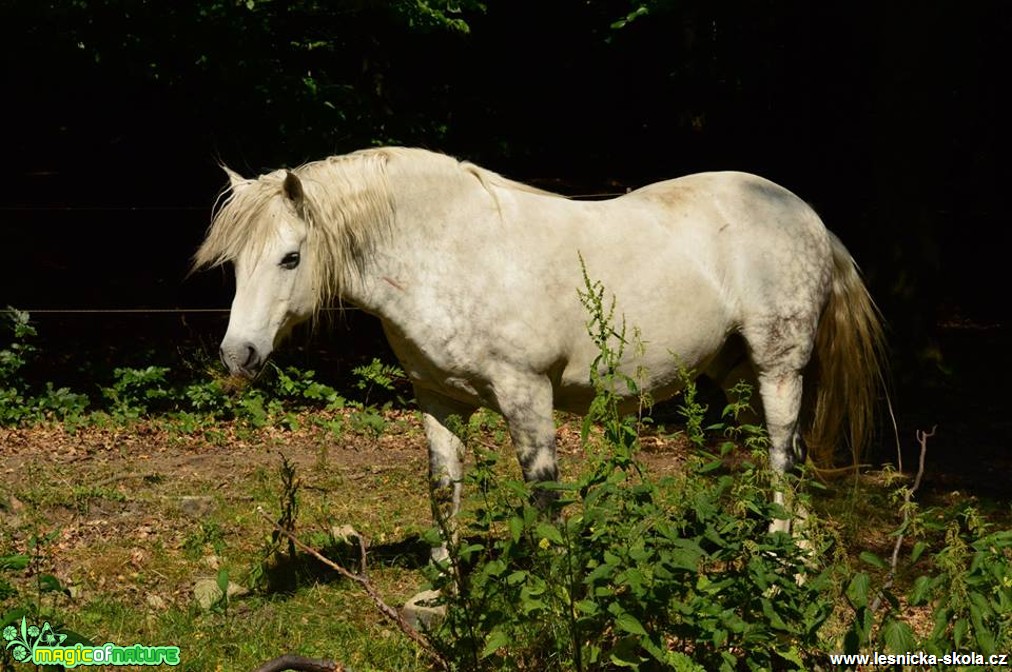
(475, 280)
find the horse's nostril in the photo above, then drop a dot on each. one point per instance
(241, 358)
(251, 357)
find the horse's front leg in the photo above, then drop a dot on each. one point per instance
(442, 418)
(525, 400)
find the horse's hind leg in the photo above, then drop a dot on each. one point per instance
(446, 471)
(780, 352)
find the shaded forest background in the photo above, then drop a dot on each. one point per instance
(890, 118)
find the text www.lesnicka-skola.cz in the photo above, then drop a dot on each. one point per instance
(921, 658)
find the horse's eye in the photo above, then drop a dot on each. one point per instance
(290, 260)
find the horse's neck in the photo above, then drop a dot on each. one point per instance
(432, 209)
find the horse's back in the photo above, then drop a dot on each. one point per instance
(763, 238)
(701, 257)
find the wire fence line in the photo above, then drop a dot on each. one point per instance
(139, 311)
(104, 208)
(205, 208)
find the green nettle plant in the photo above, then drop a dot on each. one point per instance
(629, 572)
(136, 391)
(152, 391)
(967, 584)
(18, 404)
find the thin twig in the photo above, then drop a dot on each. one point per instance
(366, 585)
(896, 430)
(922, 439)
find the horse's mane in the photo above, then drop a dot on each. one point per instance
(490, 179)
(348, 205)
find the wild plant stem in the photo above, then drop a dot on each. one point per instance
(922, 439)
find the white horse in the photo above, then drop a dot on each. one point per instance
(475, 279)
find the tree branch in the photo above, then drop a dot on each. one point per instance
(370, 590)
(290, 661)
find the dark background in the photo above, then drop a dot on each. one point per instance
(890, 118)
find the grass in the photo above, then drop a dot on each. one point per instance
(127, 549)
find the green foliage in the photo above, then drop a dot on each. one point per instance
(610, 382)
(17, 354)
(436, 14)
(968, 585)
(640, 574)
(135, 392)
(29, 604)
(313, 69)
(372, 377)
(18, 403)
(377, 375)
(301, 386)
(208, 534)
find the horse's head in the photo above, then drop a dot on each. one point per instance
(298, 240)
(266, 244)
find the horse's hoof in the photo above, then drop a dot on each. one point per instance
(423, 611)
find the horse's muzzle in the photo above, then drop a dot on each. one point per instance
(242, 359)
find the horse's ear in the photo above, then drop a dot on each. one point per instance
(293, 190)
(237, 181)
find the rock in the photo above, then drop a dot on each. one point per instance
(345, 534)
(207, 593)
(422, 611)
(155, 602)
(196, 506)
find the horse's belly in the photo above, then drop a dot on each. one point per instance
(659, 367)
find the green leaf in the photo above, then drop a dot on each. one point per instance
(772, 616)
(517, 577)
(921, 591)
(898, 636)
(496, 640)
(14, 561)
(626, 654)
(792, 655)
(50, 584)
(222, 580)
(12, 616)
(857, 591)
(686, 555)
(873, 560)
(959, 631)
(495, 567)
(918, 551)
(680, 662)
(549, 532)
(710, 466)
(516, 525)
(626, 622)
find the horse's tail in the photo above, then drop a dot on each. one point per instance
(851, 360)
